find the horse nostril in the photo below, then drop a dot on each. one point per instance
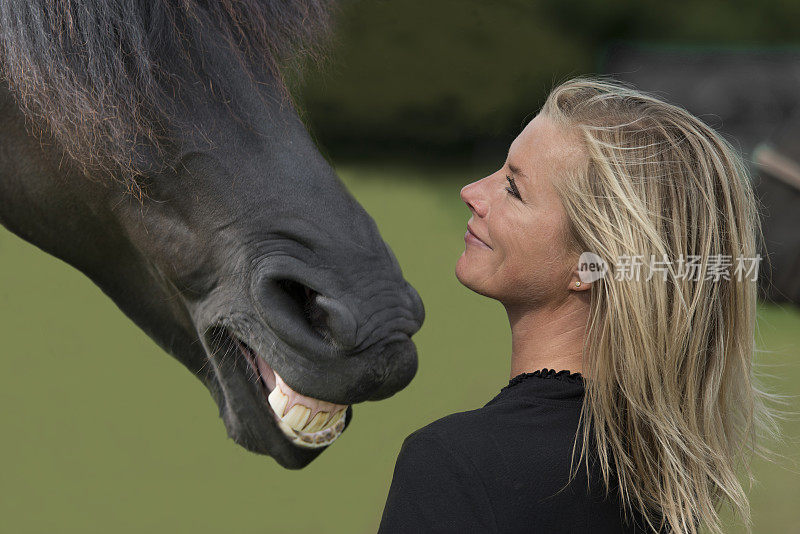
(340, 321)
(305, 298)
(327, 317)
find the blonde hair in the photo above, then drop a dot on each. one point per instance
(672, 405)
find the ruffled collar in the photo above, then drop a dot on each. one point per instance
(543, 384)
(564, 375)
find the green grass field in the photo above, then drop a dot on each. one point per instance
(103, 432)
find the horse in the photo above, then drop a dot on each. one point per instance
(154, 146)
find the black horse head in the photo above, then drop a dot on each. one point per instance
(151, 145)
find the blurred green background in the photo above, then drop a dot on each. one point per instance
(104, 432)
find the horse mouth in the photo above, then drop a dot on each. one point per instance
(305, 421)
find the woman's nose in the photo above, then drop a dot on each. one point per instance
(470, 194)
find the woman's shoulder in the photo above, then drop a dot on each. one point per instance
(538, 434)
(507, 418)
(517, 460)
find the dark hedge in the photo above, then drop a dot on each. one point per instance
(445, 76)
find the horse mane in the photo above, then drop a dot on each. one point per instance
(103, 77)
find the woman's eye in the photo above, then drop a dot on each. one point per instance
(513, 189)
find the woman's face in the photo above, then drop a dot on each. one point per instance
(518, 254)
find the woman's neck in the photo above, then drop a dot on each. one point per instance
(551, 337)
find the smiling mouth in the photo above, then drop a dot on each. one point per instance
(469, 237)
(306, 422)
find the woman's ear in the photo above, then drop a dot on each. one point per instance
(576, 284)
(591, 268)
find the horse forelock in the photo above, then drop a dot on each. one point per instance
(100, 75)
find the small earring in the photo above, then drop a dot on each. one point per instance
(577, 284)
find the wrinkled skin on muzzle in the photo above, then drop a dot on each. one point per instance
(249, 251)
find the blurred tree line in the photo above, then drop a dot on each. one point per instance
(443, 77)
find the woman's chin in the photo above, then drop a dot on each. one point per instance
(466, 274)
(462, 269)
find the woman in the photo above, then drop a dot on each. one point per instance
(638, 370)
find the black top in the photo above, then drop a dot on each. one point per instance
(500, 468)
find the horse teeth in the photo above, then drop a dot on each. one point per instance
(321, 438)
(297, 417)
(287, 430)
(317, 423)
(278, 401)
(335, 419)
(297, 424)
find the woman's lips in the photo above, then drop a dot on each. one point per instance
(471, 238)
